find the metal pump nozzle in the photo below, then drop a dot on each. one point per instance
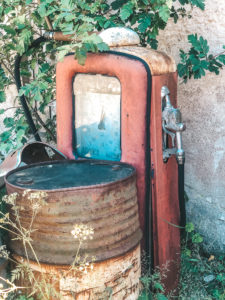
(172, 125)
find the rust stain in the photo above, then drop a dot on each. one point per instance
(110, 209)
(159, 62)
(120, 275)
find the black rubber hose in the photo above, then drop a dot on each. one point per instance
(181, 196)
(23, 101)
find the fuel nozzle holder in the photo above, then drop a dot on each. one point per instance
(172, 126)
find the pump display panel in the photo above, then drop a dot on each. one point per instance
(97, 114)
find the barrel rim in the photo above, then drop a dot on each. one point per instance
(101, 185)
(58, 266)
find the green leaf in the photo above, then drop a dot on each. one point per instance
(145, 280)
(24, 40)
(145, 296)
(2, 111)
(45, 67)
(118, 4)
(183, 2)
(160, 296)
(189, 227)
(68, 28)
(42, 10)
(126, 11)
(5, 136)
(187, 252)
(81, 56)
(158, 286)
(164, 13)
(197, 238)
(20, 134)
(200, 44)
(38, 96)
(8, 29)
(221, 58)
(102, 47)
(144, 23)
(8, 122)
(2, 97)
(199, 3)
(153, 43)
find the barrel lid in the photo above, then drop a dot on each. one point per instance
(68, 174)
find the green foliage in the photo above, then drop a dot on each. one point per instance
(3, 82)
(152, 286)
(202, 276)
(197, 61)
(22, 21)
(22, 297)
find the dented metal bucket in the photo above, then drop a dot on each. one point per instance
(100, 194)
(33, 152)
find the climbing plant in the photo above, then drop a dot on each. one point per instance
(22, 21)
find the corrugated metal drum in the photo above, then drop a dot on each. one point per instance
(96, 193)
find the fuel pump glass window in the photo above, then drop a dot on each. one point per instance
(97, 109)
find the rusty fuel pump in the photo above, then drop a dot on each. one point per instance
(131, 118)
(146, 126)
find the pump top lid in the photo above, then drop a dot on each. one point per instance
(119, 36)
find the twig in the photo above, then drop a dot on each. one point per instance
(5, 66)
(43, 125)
(219, 54)
(13, 107)
(47, 20)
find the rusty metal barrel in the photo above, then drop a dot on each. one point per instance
(99, 194)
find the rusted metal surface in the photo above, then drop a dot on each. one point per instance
(120, 275)
(166, 233)
(133, 78)
(110, 208)
(159, 62)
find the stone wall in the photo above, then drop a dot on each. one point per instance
(202, 103)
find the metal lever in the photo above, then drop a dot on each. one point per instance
(172, 126)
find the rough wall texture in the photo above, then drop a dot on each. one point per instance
(11, 93)
(203, 106)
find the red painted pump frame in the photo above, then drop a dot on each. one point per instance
(133, 77)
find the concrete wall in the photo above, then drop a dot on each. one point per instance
(203, 106)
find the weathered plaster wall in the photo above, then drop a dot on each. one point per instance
(203, 106)
(11, 93)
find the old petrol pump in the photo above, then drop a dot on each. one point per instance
(120, 106)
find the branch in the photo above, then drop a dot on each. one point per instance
(10, 71)
(13, 107)
(43, 125)
(219, 54)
